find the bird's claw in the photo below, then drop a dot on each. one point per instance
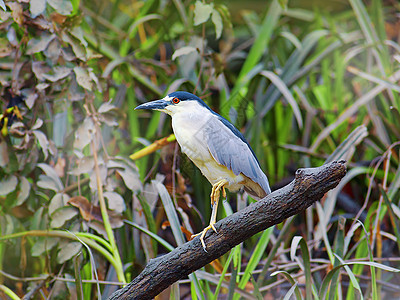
(215, 193)
(203, 234)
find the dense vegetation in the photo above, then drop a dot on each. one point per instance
(306, 82)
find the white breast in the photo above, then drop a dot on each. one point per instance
(188, 125)
(189, 134)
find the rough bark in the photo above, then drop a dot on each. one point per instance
(309, 186)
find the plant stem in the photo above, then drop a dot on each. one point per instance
(107, 226)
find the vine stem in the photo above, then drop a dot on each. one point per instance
(107, 226)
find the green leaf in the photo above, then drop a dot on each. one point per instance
(24, 189)
(290, 292)
(42, 245)
(8, 185)
(39, 44)
(83, 78)
(84, 134)
(58, 72)
(68, 250)
(63, 7)
(339, 250)
(58, 201)
(173, 219)
(42, 141)
(202, 12)
(52, 174)
(4, 158)
(2, 5)
(353, 279)
(261, 42)
(75, 6)
(217, 20)
(62, 215)
(36, 7)
(183, 51)
(115, 201)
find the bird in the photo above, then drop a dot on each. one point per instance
(215, 146)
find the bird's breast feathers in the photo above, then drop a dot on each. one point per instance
(190, 134)
(193, 132)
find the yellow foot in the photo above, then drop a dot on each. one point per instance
(215, 191)
(203, 234)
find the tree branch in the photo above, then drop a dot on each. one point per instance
(308, 186)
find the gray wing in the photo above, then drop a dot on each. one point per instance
(229, 148)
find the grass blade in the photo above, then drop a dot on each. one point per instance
(363, 100)
(78, 278)
(170, 211)
(339, 248)
(306, 267)
(173, 219)
(255, 258)
(219, 285)
(290, 292)
(160, 240)
(293, 282)
(9, 292)
(286, 93)
(392, 215)
(262, 40)
(257, 50)
(346, 149)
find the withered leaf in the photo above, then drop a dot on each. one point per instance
(91, 212)
(16, 12)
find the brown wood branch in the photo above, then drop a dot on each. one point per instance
(309, 186)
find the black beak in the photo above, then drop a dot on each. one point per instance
(157, 105)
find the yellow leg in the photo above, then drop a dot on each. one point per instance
(215, 194)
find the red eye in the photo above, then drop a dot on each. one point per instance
(175, 100)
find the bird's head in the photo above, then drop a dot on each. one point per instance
(175, 102)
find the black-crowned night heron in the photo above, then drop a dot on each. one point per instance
(215, 146)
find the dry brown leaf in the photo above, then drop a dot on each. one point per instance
(91, 212)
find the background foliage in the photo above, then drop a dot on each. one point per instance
(306, 82)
